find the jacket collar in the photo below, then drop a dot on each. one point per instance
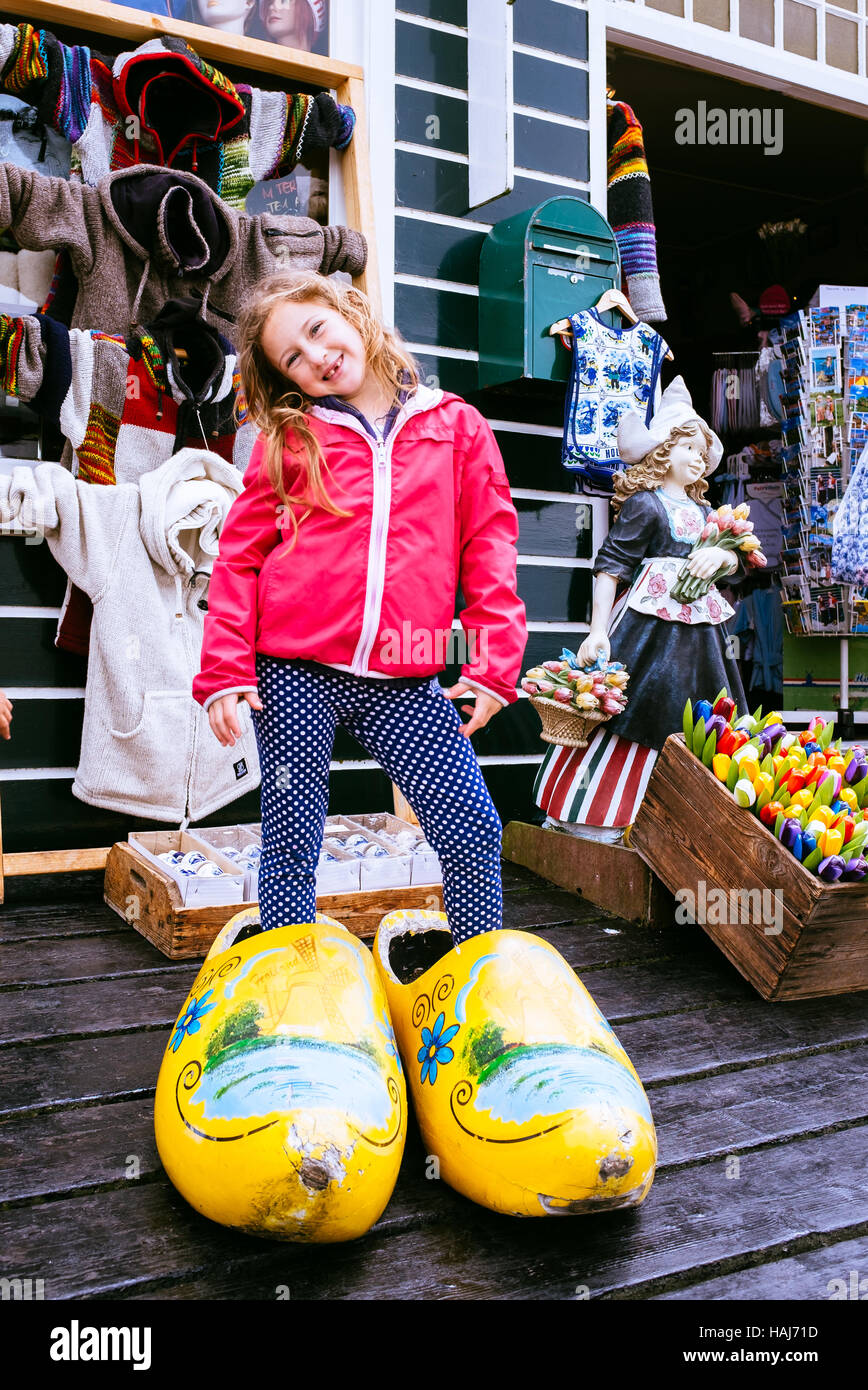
(422, 399)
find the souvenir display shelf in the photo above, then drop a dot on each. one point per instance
(345, 80)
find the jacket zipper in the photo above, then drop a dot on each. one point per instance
(375, 583)
(375, 580)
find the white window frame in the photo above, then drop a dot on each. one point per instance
(634, 25)
(363, 32)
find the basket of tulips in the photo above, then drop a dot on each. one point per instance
(572, 700)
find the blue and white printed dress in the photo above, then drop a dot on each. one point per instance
(613, 370)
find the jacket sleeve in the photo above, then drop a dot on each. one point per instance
(47, 214)
(494, 617)
(51, 76)
(22, 356)
(84, 525)
(313, 123)
(251, 530)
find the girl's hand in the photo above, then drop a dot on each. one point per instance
(707, 562)
(587, 653)
(5, 714)
(485, 707)
(223, 716)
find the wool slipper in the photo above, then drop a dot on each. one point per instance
(281, 1107)
(522, 1091)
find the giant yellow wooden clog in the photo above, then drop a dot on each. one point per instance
(522, 1091)
(281, 1107)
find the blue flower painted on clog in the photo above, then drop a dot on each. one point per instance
(391, 1047)
(434, 1049)
(191, 1019)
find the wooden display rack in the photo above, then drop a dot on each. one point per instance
(612, 877)
(690, 828)
(151, 903)
(346, 80)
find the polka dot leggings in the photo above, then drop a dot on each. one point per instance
(414, 732)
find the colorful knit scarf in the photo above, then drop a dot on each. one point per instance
(631, 213)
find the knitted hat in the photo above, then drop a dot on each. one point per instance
(636, 439)
(317, 6)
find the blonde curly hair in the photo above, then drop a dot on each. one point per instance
(649, 474)
(277, 406)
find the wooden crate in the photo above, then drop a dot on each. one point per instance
(690, 831)
(152, 904)
(612, 877)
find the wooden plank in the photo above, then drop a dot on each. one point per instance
(120, 21)
(129, 1001)
(673, 1046)
(736, 1111)
(445, 1247)
(62, 922)
(702, 1043)
(77, 1148)
(36, 1075)
(56, 861)
(809, 1276)
(99, 1006)
(81, 958)
(84, 1147)
(612, 877)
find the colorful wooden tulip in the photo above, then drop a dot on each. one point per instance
(791, 837)
(832, 842)
(702, 710)
(770, 812)
(744, 792)
(855, 870)
(831, 868)
(720, 765)
(727, 742)
(725, 707)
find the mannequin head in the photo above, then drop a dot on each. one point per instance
(678, 465)
(229, 15)
(293, 23)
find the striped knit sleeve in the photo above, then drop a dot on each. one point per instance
(22, 357)
(53, 77)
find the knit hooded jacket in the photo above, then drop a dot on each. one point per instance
(125, 405)
(188, 115)
(143, 552)
(147, 234)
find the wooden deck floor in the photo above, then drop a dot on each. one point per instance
(761, 1113)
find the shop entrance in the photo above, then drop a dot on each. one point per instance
(725, 160)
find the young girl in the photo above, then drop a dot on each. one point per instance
(673, 651)
(368, 499)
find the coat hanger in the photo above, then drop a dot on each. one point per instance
(611, 299)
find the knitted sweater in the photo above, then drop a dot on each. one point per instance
(187, 114)
(145, 235)
(144, 553)
(124, 406)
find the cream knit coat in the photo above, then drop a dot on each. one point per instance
(143, 553)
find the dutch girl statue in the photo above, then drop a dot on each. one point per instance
(673, 647)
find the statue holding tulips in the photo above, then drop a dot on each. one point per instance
(656, 612)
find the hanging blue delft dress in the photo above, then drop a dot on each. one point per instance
(612, 370)
(673, 652)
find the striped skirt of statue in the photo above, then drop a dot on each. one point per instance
(600, 785)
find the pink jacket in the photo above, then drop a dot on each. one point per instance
(375, 592)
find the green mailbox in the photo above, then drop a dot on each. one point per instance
(535, 268)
